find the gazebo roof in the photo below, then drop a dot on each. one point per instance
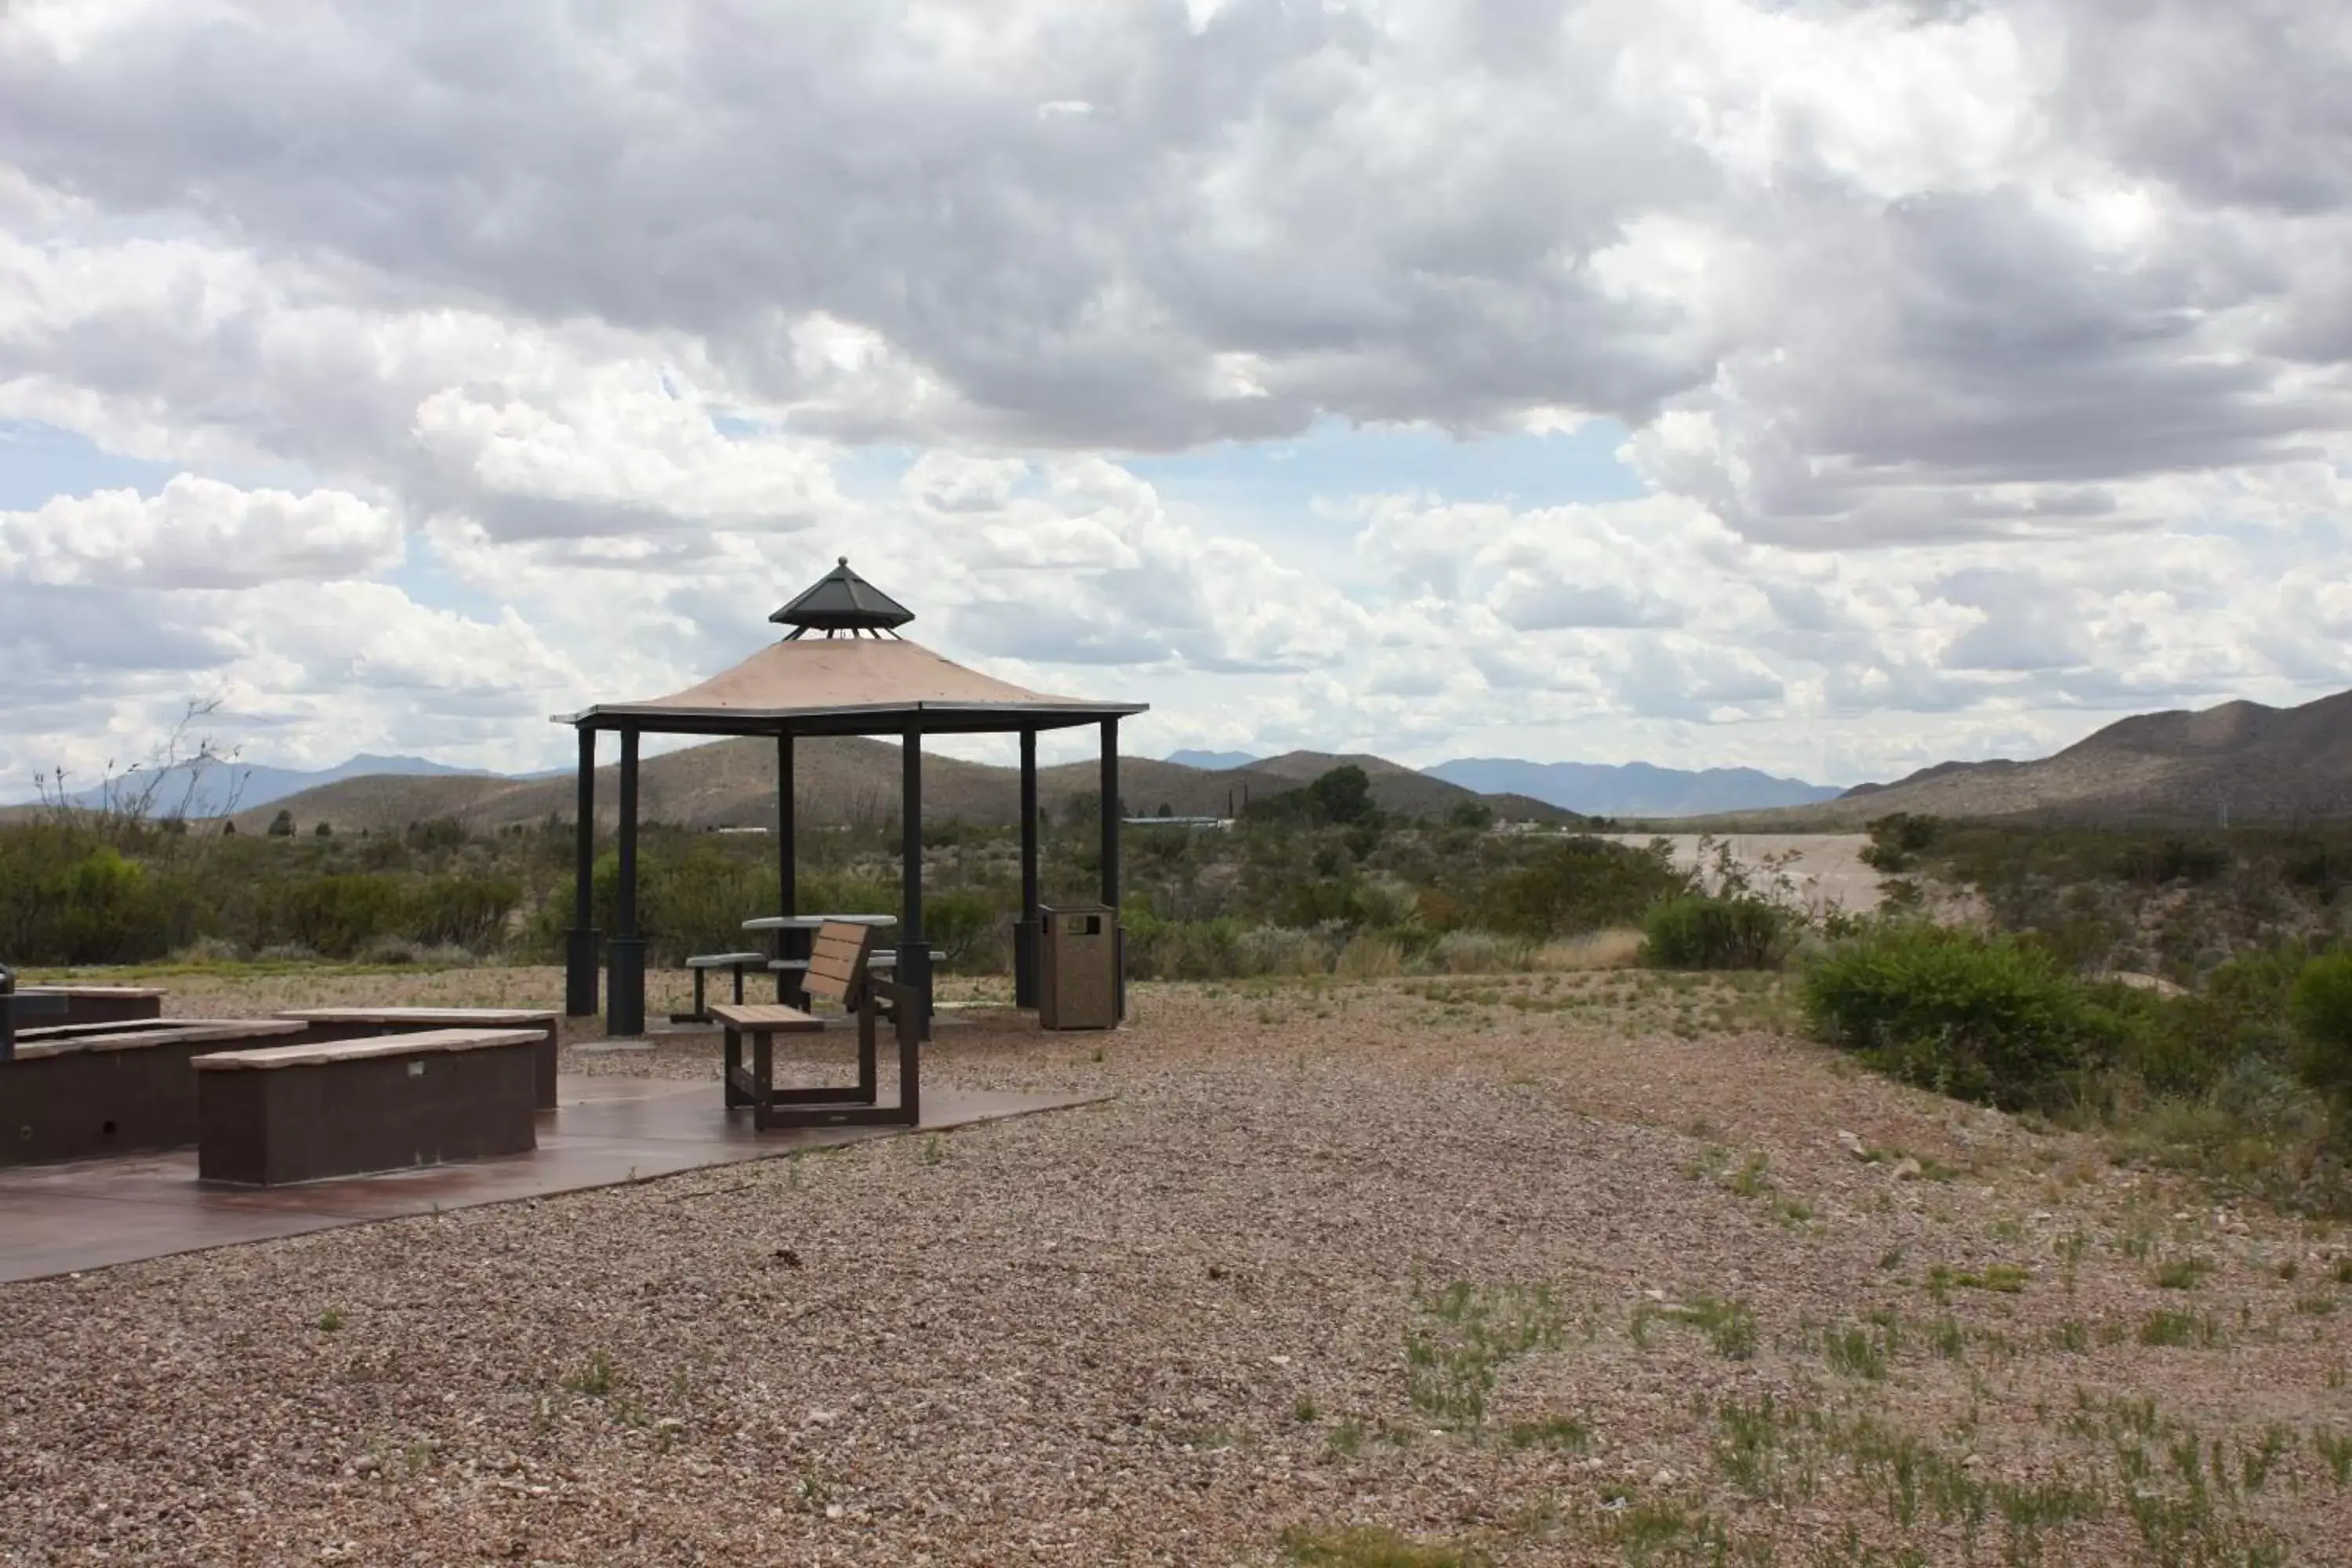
(853, 685)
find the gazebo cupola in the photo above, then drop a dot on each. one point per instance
(841, 669)
(841, 603)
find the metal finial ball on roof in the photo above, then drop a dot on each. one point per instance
(842, 601)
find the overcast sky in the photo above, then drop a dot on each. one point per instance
(1820, 386)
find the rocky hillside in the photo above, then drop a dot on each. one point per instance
(2256, 763)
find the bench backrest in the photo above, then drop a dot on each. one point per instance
(836, 970)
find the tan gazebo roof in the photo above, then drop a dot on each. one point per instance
(849, 685)
(859, 677)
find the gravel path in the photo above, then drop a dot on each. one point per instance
(1477, 1273)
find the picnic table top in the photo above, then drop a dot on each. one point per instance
(766, 1017)
(809, 923)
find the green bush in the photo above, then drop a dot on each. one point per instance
(336, 915)
(1983, 1018)
(963, 926)
(2321, 1005)
(1697, 930)
(1580, 885)
(461, 911)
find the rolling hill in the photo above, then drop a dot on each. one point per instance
(2244, 760)
(731, 784)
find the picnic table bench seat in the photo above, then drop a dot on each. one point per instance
(839, 970)
(702, 963)
(315, 1109)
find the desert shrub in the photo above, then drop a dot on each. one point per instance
(1578, 885)
(1472, 952)
(1281, 949)
(1697, 931)
(336, 915)
(963, 926)
(2321, 1005)
(1474, 815)
(1897, 840)
(470, 912)
(697, 902)
(68, 896)
(1369, 957)
(1982, 1018)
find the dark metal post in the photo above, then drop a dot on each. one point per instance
(624, 1014)
(787, 889)
(7, 1013)
(914, 949)
(1110, 815)
(580, 953)
(1025, 930)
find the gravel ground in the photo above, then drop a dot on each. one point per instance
(1555, 1269)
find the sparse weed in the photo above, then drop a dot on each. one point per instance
(593, 1381)
(2183, 1273)
(2165, 1327)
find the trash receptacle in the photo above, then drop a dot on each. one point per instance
(1077, 969)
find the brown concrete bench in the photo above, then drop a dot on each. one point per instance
(102, 1003)
(324, 1024)
(345, 1108)
(79, 1092)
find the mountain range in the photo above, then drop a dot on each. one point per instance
(1632, 789)
(733, 784)
(2241, 761)
(190, 790)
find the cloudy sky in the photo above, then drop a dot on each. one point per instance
(1826, 386)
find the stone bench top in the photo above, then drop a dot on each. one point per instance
(724, 959)
(457, 1017)
(117, 1027)
(429, 1042)
(95, 993)
(153, 1032)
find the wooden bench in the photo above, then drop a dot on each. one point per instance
(838, 972)
(327, 1024)
(81, 1091)
(702, 963)
(345, 1108)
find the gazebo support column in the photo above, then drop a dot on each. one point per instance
(580, 954)
(625, 1013)
(914, 949)
(789, 944)
(1111, 811)
(1024, 932)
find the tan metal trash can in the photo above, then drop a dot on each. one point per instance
(1078, 970)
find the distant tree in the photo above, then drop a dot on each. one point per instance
(1472, 814)
(229, 831)
(282, 825)
(1164, 811)
(1344, 794)
(324, 830)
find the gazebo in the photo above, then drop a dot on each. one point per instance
(841, 669)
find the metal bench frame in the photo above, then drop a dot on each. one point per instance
(838, 972)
